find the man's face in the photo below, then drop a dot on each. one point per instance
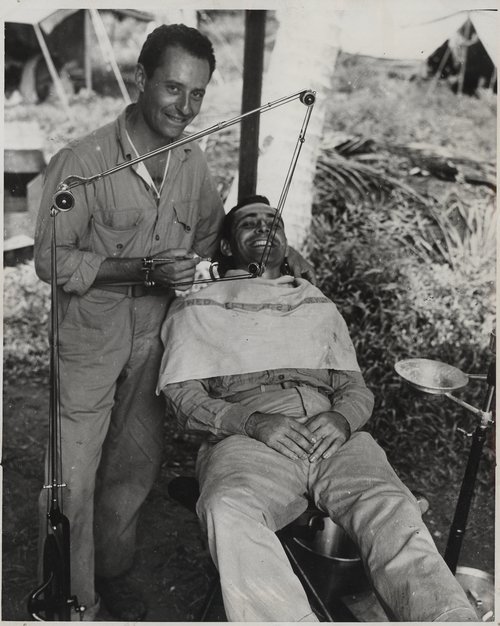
(172, 97)
(251, 228)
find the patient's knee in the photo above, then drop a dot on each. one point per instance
(225, 504)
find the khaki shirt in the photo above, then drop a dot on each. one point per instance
(220, 407)
(120, 216)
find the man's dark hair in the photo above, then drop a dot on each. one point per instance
(171, 36)
(227, 224)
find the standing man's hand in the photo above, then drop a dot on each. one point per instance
(300, 267)
(281, 433)
(331, 430)
(178, 272)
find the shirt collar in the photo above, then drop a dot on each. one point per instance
(182, 153)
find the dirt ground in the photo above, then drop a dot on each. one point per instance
(173, 568)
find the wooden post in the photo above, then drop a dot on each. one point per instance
(253, 65)
(87, 62)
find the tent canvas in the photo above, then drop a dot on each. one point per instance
(387, 34)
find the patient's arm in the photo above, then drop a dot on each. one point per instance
(197, 411)
(351, 398)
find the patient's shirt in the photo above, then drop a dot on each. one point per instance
(260, 345)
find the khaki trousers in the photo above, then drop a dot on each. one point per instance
(111, 428)
(248, 491)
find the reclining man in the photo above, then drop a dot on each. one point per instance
(266, 368)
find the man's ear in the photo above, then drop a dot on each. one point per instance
(225, 247)
(140, 77)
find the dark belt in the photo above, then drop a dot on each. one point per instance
(135, 291)
(241, 395)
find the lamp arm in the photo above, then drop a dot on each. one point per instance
(477, 376)
(486, 416)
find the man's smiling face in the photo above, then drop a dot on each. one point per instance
(251, 227)
(171, 98)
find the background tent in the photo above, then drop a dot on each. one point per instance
(42, 41)
(467, 59)
(462, 44)
(408, 31)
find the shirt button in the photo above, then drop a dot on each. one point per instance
(157, 237)
(119, 246)
(187, 228)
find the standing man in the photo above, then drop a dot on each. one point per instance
(112, 303)
(110, 313)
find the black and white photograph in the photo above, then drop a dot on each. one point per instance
(249, 311)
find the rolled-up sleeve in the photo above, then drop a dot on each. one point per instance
(351, 398)
(196, 411)
(76, 268)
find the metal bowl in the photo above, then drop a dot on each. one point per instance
(331, 541)
(431, 376)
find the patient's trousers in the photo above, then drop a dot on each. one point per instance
(248, 491)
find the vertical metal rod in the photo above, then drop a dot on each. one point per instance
(54, 478)
(286, 186)
(253, 63)
(459, 524)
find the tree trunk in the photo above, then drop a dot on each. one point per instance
(304, 57)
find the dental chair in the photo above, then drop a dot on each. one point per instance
(323, 557)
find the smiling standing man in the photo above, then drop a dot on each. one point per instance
(112, 305)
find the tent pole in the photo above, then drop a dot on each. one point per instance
(107, 50)
(493, 78)
(464, 63)
(52, 70)
(439, 70)
(87, 62)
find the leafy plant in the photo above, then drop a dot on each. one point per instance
(405, 300)
(26, 316)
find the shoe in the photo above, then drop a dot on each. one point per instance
(120, 600)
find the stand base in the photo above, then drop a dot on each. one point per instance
(480, 589)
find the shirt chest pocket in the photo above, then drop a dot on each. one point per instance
(117, 232)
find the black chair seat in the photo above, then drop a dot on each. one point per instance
(184, 490)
